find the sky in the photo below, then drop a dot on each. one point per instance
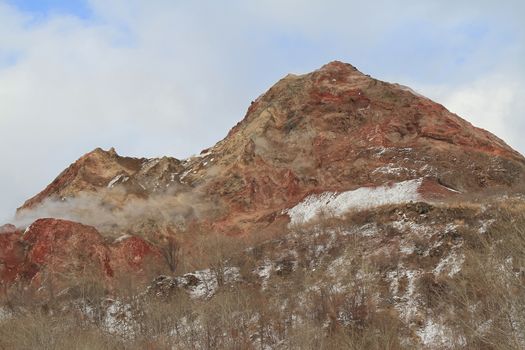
(169, 77)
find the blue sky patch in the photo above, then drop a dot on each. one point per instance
(77, 8)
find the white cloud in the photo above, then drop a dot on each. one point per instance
(494, 102)
(148, 90)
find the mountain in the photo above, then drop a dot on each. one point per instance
(369, 215)
(334, 129)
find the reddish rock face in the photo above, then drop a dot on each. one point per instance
(133, 254)
(59, 249)
(337, 129)
(65, 246)
(334, 129)
(12, 252)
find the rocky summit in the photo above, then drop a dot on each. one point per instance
(335, 129)
(333, 182)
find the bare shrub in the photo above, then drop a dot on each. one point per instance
(488, 295)
(37, 330)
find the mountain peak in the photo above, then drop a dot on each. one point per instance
(100, 152)
(379, 113)
(333, 175)
(334, 129)
(338, 65)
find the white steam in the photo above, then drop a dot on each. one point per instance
(117, 212)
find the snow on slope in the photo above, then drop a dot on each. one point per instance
(337, 204)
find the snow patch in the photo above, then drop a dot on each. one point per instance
(184, 174)
(390, 169)
(381, 151)
(405, 225)
(27, 229)
(150, 164)
(337, 266)
(451, 262)
(338, 204)
(264, 272)
(202, 155)
(119, 319)
(367, 230)
(122, 238)
(5, 314)
(407, 248)
(114, 181)
(432, 334)
(406, 298)
(485, 225)
(208, 282)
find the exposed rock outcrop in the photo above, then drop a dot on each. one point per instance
(58, 251)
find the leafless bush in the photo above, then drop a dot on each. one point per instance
(38, 330)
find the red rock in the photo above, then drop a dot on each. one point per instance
(334, 129)
(11, 253)
(60, 248)
(132, 253)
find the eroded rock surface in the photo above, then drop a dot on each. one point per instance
(55, 251)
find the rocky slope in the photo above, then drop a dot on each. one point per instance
(349, 200)
(425, 272)
(334, 129)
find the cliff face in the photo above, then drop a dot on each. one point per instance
(331, 139)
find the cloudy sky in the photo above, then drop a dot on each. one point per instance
(169, 77)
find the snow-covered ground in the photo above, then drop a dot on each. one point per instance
(208, 282)
(5, 314)
(337, 204)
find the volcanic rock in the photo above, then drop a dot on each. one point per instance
(12, 252)
(334, 129)
(333, 133)
(60, 251)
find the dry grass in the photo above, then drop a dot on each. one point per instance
(483, 305)
(488, 295)
(38, 330)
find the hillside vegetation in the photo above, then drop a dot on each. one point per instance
(440, 276)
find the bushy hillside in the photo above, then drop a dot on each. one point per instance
(442, 276)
